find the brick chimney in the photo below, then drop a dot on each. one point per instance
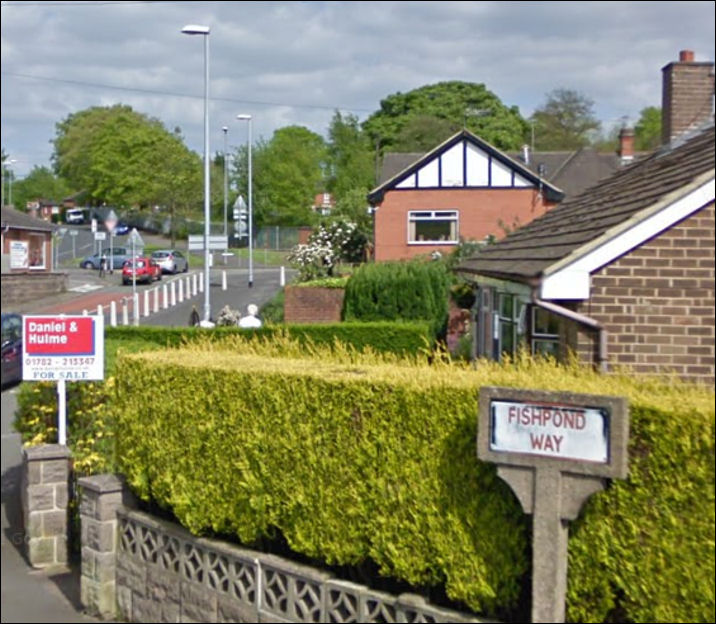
(687, 95)
(626, 145)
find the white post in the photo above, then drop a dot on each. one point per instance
(146, 303)
(156, 300)
(188, 287)
(165, 297)
(223, 280)
(100, 311)
(282, 279)
(113, 314)
(181, 290)
(61, 413)
(85, 313)
(173, 294)
(125, 312)
(201, 282)
(195, 285)
(135, 308)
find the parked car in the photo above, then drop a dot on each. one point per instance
(142, 270)
(171, 260)
(121, 229)
(11, 348)
(119, 256)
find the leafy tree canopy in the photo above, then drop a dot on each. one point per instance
(40, 184)
(647, 132)
(456, 104)
(564, 121)
(288, 172)
(351, 160)
(118, 156)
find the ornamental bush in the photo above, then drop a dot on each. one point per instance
(399, 291)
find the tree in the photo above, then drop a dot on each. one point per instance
(116, 155)
(564, 121)
(350, 157)
(647, 132)
(39, 184)
(422, 133)
(457, 104)
(288, 171)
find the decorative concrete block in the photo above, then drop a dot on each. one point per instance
(342, 601)
(162, 585)
(124, 603)
(55, 471)
(40, 498)
(99, 536)
(54, 523)
(41, 551)
(232, 610)
(131, 574)
(145, 610)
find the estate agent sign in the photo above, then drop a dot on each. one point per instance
(554, 450)
(62, 348)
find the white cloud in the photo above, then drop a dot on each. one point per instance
(307, 58)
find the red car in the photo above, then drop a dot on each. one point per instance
(142, 270)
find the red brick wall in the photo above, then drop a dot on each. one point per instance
(657, 303)
(480, 213)
(308, 304)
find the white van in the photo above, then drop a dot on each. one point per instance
(75, 215)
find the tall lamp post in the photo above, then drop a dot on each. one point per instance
(251, 212)
(7, 164)
(195, 29)
(226, 186)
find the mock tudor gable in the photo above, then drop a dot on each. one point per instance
(464, 189)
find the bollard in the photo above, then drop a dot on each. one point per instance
(113, 314)
(223, 280)
(156, 300)
(146, 303)
(195, 287)
(165, 297)
(100, 311)
(173, 293)
(85, 313)
(135, 308)
(201, 282)
(181, 290)
(188, 287)
(125, 313)
(282, 278)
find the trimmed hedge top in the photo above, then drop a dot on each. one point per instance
(364, 456)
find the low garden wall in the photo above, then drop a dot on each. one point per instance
(309, 304)
(18, 287)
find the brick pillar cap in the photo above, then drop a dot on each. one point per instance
(45, 452)
(686, 56)
(102, 484)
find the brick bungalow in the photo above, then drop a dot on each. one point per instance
(464, 189)
(624, 273)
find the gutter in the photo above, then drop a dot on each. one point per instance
(602, 357)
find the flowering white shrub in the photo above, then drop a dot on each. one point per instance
(326, 246)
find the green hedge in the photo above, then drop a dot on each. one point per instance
(384, 337)
(353, 458)
(408, 291)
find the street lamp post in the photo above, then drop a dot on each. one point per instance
(5, 166)
(226, 185)
(195, 29)
(251, 230)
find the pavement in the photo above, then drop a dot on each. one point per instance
(30, 595)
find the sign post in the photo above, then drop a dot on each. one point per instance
(62, 348)
(110, 222)
(554, 450)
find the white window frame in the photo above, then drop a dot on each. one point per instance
(417, 216)
(541, 337)
(35, 241)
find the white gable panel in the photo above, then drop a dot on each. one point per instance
(521, 182)
(452, 166)
(428, 175)
(477, 166)
(501, 175)
(409, 182)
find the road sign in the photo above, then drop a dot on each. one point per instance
(74, 232)
(135, 239)
(110, 221)
(100, 236)
(218, 242)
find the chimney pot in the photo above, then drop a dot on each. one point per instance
(626, 145)
(686, 56)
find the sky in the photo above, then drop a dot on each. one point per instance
(287, 63)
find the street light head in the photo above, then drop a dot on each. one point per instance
(244, 117)
(225, 128)
(195, 29)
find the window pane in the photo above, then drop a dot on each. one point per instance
(507, 337)
(433, 230)
(546, 347)
(545, 323)
(506, 306)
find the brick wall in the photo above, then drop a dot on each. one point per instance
(307, 304)
(687, 96)
(481, 211)
(17, 287)
(657, 303)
